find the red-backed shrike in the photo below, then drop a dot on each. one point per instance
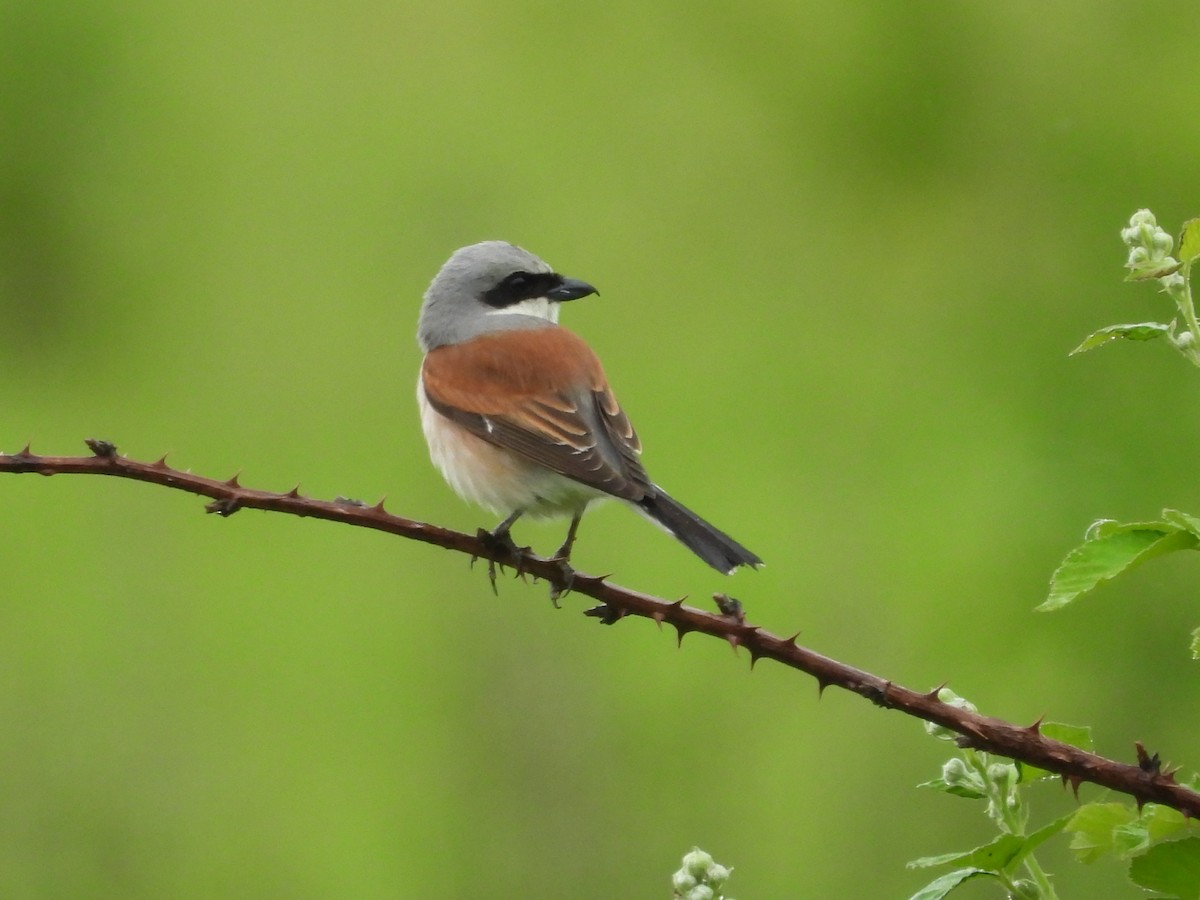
(517, 411)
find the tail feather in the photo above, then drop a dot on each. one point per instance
(707, 541)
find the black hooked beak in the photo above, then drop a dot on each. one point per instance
(570, 289)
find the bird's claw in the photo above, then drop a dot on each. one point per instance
(500, 543)
(565, 581)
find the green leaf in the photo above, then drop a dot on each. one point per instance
(1185, 521)
(1172, 868)
(958, 790)
(1039, 837)
(1092, 828)
(940, 887)
(1109, 549)
(1164, 822)
(1076, 735)
(1142, 331)
(992, 856)
(929, 862)
(1189, 241)
(1131, 840)
(1147, 274)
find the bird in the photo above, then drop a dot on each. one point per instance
(518, 413)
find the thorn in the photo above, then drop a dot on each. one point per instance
(682, 632)
(1074, 781)
(233, 482)
(1139, 800)
(668, 614)
(293, 494)
(1146, 762)
(1036, 727)
(792, 640)
(160, 463)
(223, 507)
(821, 685)
(378, 507)
(659, 617)
(107, 449)
(25, 451)
(755, 655)
(934, 694)
(592, 581)
(734, 641)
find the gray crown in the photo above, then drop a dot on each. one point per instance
(454, 310)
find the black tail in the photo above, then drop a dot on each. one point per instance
(709, 543)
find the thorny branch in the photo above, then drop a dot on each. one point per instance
(1146, 782)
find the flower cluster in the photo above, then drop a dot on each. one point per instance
(700, 878)
(1150, 250)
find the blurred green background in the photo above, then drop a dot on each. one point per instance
(843, 250)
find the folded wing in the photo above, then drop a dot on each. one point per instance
(540, 393)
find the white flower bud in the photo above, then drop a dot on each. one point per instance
(1138, 256)
(717, 875)
(1143, 217)
(1172, 282)
(697, 862)
(683, 881)
(1002, 773)
(1185, 341)
(1162, 243)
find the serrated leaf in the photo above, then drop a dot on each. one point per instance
(1186, 521)
(940, 887)
(1189, 241)
(1172, 868)
(991, 857)
(1092, 828)
(1112, 548)
(1156, 823)
(1142, 331)
(1130, 840)
(1163, 822)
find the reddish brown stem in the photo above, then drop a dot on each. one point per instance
(1145, 782)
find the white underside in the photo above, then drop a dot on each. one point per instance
(496, 479)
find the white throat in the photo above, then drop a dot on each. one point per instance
(535, 306)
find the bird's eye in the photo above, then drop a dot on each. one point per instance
(515, 288)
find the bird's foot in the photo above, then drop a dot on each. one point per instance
(562, 561)
(500, 543)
